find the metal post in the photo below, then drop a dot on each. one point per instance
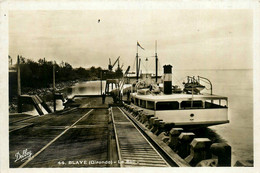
(54, 97)
(19, 104)
(18, 77)
(137, 74)
(156, 62)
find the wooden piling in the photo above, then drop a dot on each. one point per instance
(19, 103)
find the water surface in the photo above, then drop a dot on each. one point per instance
(237, 85)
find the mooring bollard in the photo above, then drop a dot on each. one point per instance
(200, 150)
(160, 128)
(136, 111)
(164, 137)
(155, 125)
(223, 153)
(151, 122)
(146, 124)
(147, 117)
(141, 117)
(144, 117)
(174, 134)
(183, 148)
(138, 115)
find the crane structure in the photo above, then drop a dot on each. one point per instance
(110, 66)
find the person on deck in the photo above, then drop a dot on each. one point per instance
(103, 98)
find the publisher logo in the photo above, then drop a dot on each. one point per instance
(21, 156)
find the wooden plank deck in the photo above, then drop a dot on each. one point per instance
(76, 137)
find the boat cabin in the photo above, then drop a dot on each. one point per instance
(185, 109)
(179, 101)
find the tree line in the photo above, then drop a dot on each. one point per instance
(39, 74)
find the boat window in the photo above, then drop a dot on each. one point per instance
(142, 103)
(191, 104)
(167, 105)
(223, 102)
(150, 105)
(215, 103)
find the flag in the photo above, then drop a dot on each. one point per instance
(140, 45)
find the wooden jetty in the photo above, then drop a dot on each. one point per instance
(97, 134)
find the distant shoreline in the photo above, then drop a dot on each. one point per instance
(213, 69)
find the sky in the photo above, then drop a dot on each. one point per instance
(186, 39)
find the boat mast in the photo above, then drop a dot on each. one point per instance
(139, 67)
(156, 62)
(137, 62)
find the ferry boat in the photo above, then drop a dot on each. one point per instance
(184, 109)
(181, 108)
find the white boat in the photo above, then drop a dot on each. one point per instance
(181, 108)
(184, 109)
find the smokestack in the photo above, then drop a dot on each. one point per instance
(167, 79)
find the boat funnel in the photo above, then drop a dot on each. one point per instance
(167, 79)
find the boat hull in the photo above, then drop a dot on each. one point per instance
(192, 118)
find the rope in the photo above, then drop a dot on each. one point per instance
(134, 65)
(178, 81)
(144, 66)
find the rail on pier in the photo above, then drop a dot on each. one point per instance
(133, 148)
(196, 151)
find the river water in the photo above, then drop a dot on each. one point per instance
(81, 88)
(237, 85)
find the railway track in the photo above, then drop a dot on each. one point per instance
(133, 146)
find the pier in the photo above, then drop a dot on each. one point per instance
(102, 130)
(105, 135)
